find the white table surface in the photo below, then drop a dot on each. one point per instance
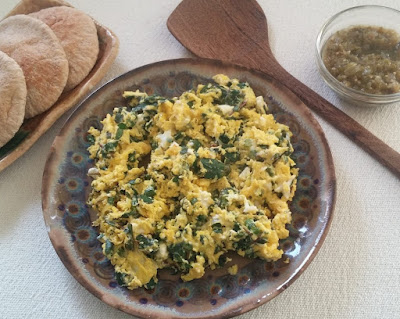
(357, 271)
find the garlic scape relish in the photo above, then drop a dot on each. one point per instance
(218, 179)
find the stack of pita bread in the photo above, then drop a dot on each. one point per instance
(42, 55)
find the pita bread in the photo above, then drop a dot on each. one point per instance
(78, 36)
(12, 98)
(33, 45)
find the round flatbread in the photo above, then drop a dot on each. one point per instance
(33, 45)
(12, 98)
(78, 36)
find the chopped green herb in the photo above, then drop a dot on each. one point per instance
(131, 157)
(217, 228)
(110, 222)
(251, 226)
(152, 99)
(139, 108)
(196, 166)
(150, 112)
(182, 253)
(196, 144)
(214, 168)
(231, 97)
(178, 136)
(119, 117)
(224, 138)
(270, 171)
(184, 150)
(147, 244)
(236, 227)
(242, 85)
(134, 139)
(108, 247)
(262, 241)
(232, 157)
(132, 213)
(147, 199)
(119, 133)
(151, 284)
(253, 154)
(120, 277)
(222, 260)
(149, 191)
(154, 145)
(205, 88)
(110, 147)
(121, 252)
(201, 220)
(147, 126)
(242, 244)
(249, 253)
(91, 139)
(217, 249)
(276, 157)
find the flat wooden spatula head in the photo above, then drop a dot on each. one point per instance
(231, 30)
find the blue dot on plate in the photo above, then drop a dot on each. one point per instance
(213, 302)
(113, 284)
(179, 303)
(247, 290)
(143, 301)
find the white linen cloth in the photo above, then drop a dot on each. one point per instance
(356, 274)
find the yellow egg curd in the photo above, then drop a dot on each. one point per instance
(179, 182)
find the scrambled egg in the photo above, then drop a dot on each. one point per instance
(180, 182)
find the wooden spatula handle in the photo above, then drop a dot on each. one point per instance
(338, 119)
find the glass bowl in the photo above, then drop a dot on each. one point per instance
(368, 15)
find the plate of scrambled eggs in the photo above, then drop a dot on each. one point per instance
(188, 188)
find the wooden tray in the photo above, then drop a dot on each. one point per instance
(35, 127)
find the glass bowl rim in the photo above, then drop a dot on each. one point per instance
(335, 83)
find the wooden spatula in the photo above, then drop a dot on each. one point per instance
(237, 31)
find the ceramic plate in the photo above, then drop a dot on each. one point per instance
(35, 127)
(218, 294)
